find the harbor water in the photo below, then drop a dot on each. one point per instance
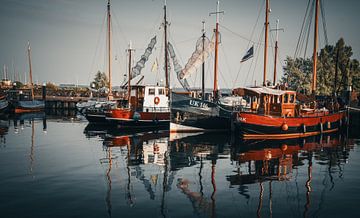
(55, 166)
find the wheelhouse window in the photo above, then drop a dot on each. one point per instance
(292, 98)
(151, 91)
(286, 98)
(161, 91)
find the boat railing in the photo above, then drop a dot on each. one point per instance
(156, 109)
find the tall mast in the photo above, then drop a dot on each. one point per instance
(30, 72)
(129, 75)
(166, 48)
(313, 87)
(216, 50)
(109, 49)
(276, 49)
(203, 63)
(266, 39)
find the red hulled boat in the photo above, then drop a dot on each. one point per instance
(148, 108)
(275, 114)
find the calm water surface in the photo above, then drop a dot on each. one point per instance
(62, 167)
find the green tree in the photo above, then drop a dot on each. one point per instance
(335, 71)
(51, 86)
(100, 80)
(297, 74)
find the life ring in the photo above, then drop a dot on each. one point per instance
(156, 100)
(284, 127)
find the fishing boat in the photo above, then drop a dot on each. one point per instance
(277, 114)
(30, 105)
(191, 113)
(94, 112)
(147, 105)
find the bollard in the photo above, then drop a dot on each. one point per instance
(44, 92)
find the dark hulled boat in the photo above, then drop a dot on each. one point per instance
(192, 114)
(95, 113)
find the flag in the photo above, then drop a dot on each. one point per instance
(154, 67)
(249, 54)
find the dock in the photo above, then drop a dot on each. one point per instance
(61, 102)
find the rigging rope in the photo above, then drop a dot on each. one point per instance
(309, 26)
(249, 41)
(324, 22)
(301, 30)
(261, 35)
(96, 48)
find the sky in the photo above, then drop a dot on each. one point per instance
(68, 36)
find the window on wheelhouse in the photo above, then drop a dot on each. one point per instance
(151, 91)
(286, 98)
(161, 91)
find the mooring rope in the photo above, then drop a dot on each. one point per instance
(354, 108)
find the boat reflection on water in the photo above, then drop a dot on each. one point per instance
(4, 128)
(27, 120)
(145, 156)
(203, 150)
(268, 161)
(161, 163)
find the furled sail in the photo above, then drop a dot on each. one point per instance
(198, 57)
(177, 67)
(136, 70)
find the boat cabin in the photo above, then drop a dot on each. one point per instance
(270, 101)
(149, 98)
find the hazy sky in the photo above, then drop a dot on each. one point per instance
(68, 36)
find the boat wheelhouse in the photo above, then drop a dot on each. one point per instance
(148, 106)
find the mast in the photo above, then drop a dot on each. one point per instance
(276, 49)
(109, 49)
(166, 49)
(336, 73)
(266, 39)
(203, 63)
(216, 50)
(313, 87)
(30, 72)
(129, 75)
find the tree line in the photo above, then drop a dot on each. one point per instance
(335, 71)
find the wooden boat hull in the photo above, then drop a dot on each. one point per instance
(195, 115)
(29, 106)
(126, 118)
(255, 126)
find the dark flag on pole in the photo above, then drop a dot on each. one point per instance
(249, 54)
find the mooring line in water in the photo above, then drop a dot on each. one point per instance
(353, 108)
